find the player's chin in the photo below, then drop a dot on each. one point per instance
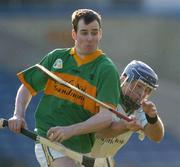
(89, 49)
(136, 100)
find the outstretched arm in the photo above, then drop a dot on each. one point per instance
(120, 127)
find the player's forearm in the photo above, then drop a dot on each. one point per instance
(22, 100)
(96, 123)
(155, 131)
(116, 128)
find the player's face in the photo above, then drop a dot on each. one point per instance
(87, 37)
(137, 90)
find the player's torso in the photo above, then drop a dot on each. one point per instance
(85, 77)
(104, 147)
(64, 106)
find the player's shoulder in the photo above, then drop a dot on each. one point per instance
(106, 59)
(60, 51)
(106, 63)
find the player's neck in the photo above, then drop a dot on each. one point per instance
(83, 55)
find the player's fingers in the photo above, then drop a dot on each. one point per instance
(55, 137)
(19, 124)
(148, 106)
(10, 124)
(14, 126)
(17, 128)
(52, 134)
(59, 138)
(22, 123)
(146, 103)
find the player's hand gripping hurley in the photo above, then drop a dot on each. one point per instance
(84, 160)
(60, 81)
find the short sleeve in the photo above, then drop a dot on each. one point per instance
(33, 78)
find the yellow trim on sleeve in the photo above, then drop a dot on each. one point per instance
(26, 84)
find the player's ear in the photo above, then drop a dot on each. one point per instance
(100, 33)
(74, 35)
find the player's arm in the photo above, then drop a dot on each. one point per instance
(17, 121)
(96, 123)
(119, 127)
(100, 123)
(154, 128)
(115, 129)
(155, 131)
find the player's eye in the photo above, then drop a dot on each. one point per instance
(148, 90)
(94, 33)
(84, 32)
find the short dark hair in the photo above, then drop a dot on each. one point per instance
(87, 15)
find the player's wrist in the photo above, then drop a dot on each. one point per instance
(19, 113)
(151, 119)
(18, 116)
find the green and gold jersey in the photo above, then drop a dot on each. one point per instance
(62, 106)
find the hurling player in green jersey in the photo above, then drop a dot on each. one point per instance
(84, 66)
